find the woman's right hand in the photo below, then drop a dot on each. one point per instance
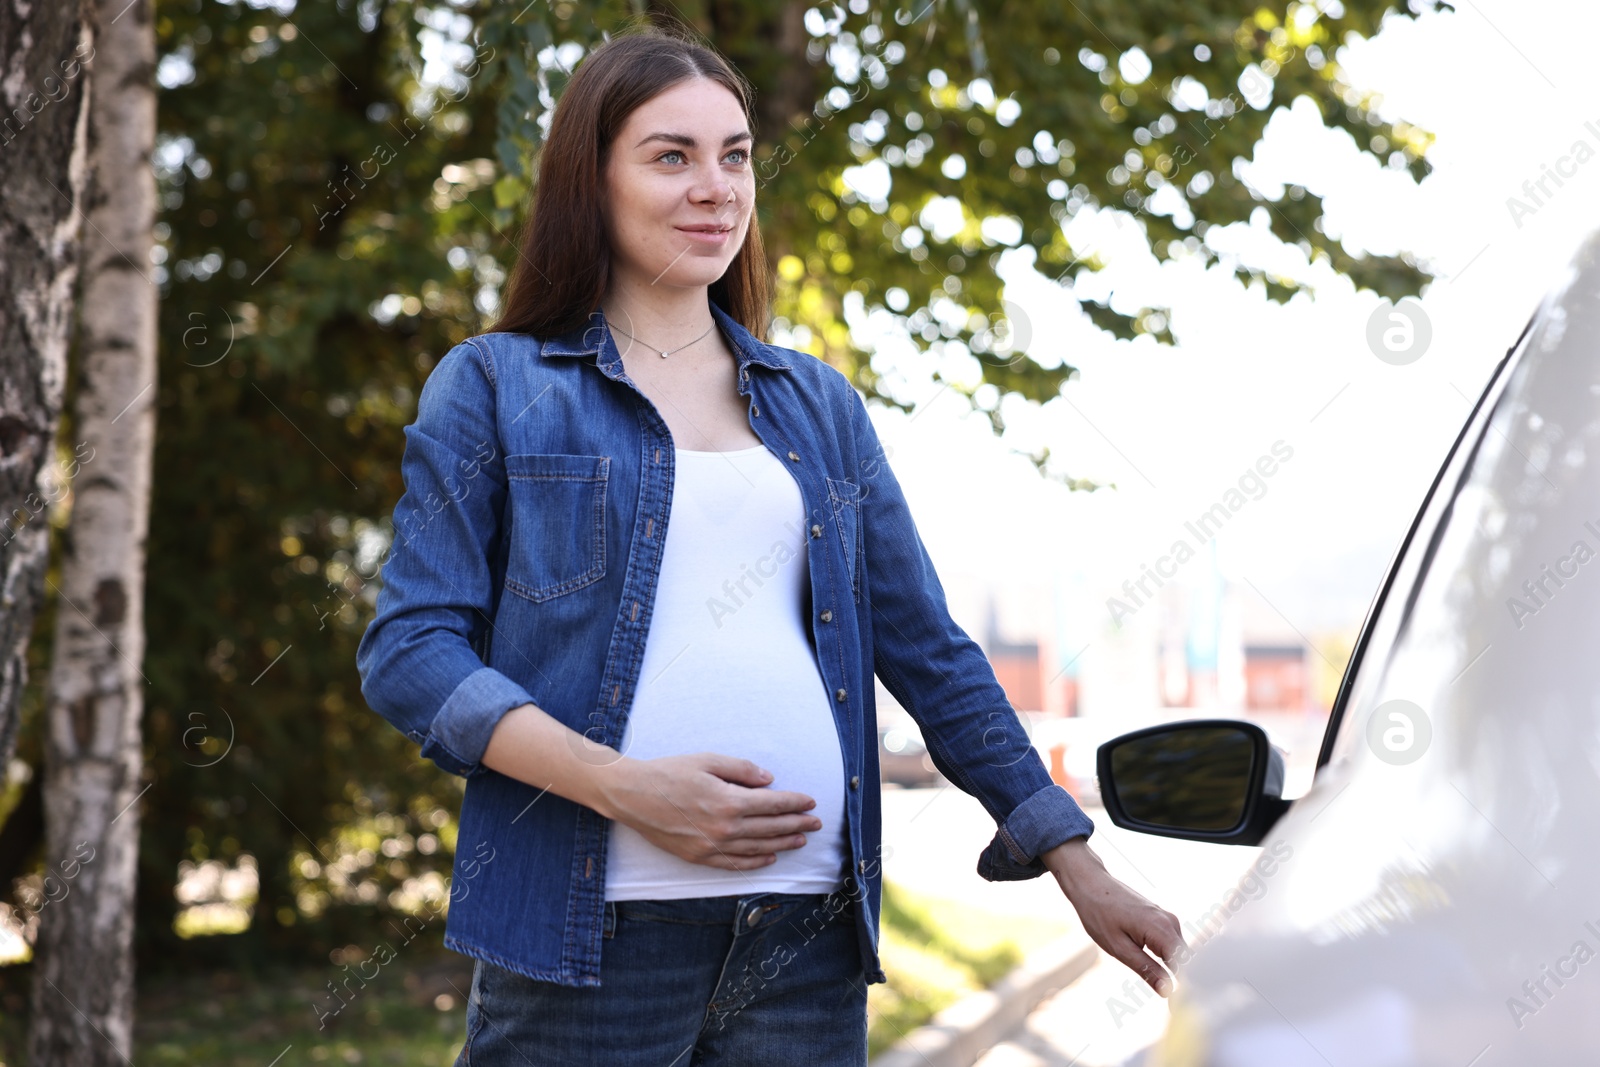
(708, 808)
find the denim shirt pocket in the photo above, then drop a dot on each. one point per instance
(557, 523)
(845, 498)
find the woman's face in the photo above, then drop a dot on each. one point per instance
(681, 161)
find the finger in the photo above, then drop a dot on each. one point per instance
(733, 854)
(1134, 957)
(765, 826)
(773, 801)
(729, 863)
(735, 769)
(1163, 935)
(750, 846)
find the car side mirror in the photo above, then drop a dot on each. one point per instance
(1217, 780)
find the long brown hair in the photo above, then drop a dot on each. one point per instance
(564, 261)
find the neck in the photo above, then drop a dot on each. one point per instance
(658, 316)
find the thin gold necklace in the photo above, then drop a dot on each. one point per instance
(656, 348)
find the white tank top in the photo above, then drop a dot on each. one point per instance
(728, 668)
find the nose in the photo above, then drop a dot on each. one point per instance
(720, 195)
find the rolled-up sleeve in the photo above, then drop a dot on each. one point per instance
(1034, 827)
(943, 679)
(417, 659)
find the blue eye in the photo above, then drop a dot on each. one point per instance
(675, 152)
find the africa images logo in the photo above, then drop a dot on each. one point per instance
(1398, 732)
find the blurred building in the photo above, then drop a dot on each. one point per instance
(1219, 649)
(1201, 641)
(1017, 664)
(1275, 677)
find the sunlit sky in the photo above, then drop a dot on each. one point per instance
(1504, 87)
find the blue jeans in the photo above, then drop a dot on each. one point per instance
(768, 978)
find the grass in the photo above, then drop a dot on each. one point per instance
(936, 951)
(408, 1015)
(413, 1012)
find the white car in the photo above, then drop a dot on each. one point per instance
(1434, 899)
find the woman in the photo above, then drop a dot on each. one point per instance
(646, 568)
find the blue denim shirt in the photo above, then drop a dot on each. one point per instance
(527, 546)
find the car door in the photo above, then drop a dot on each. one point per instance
(1436, 896)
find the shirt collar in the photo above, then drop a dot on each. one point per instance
(595, 337)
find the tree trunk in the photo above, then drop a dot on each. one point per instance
(767, 43)
(83, 976)
(43, 145)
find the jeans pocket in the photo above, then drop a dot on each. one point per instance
(845, 498)
(476, 1016)
(557, 523)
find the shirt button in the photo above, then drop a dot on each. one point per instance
(827, 615)
(816, 531)
(755, 411)
(855, 780)
(838, 694)
(794, 456)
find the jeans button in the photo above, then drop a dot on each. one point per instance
(753, 918)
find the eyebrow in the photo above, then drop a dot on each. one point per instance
(689, 142)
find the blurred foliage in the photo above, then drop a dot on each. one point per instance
(309, 282)
(1138, 107)
(411, 1013)
(936, 951)
(340, 182)
(923, 922)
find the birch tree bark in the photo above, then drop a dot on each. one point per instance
(83, 974)
(43, 153)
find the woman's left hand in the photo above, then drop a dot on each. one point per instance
(1119, 920)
